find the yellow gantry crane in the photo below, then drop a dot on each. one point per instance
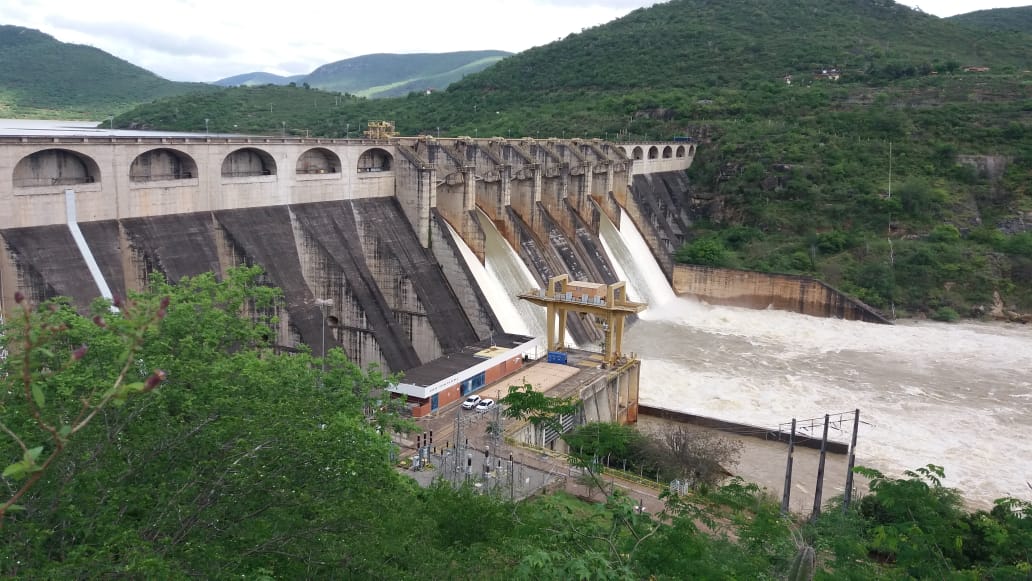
(380, 130)
(608, 302)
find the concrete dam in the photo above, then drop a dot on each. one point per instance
(365, 237)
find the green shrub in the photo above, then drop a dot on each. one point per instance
(832, 242)
(944, 233)
(704, 252)
(1019, 245)
(989, 236)
(945, 314)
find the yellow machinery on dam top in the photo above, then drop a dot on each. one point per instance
(608, 302)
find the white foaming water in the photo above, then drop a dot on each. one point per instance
(954, 395)
(506, 277)
(633, 261)
(504, 309)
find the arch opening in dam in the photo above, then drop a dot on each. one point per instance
(50, 167)
(318, 160)
(248, 162)
(375, 160)
(162, 164)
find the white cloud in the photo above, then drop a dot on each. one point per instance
(195, 40)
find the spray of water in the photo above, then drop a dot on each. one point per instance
(505, 309)
(633, 262)
(956, 395)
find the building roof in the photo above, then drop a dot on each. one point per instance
(448, 365)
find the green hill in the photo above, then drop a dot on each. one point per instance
(43, 77)
(382, 75)
(998, 19)
(256, 79)
(790, 177)
(387, 75)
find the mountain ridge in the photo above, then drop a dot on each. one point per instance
(1017, 19)
(382, 74)
(42, 76)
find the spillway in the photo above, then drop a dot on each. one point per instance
(634, 262)
(502, 277)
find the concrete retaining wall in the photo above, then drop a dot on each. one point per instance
(743, 429)
(758, 290)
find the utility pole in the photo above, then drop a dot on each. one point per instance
(852, 461)
(786, 495)
(820, 472)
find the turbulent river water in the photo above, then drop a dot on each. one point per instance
(956, 395)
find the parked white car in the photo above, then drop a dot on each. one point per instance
(484, 405)
(471, 402)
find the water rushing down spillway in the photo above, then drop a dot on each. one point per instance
(645, 279)
(502, 278)
(956, 395)
(504, 309)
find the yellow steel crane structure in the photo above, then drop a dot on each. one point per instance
(608, 302)
(380, 130)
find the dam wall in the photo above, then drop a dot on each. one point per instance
(758, 290)
(390, 302)
(361, 235)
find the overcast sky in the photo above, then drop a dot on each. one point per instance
(206, 40)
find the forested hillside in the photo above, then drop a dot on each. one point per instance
(42, 77)
(796, 105)
(391, 75)
(257, 79)
(382, 75)
(998, 19)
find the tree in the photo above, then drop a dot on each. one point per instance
(523, 403)
(55, 385)
(603, 440)
(916, 522)
(698, 456)
(241, 464)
